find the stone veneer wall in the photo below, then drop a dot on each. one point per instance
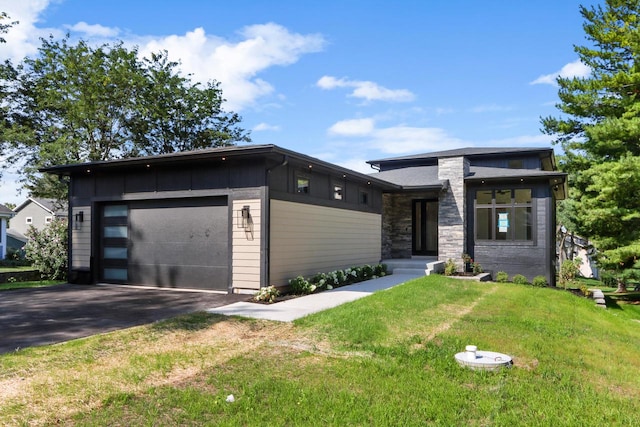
(452, 224)
(397, 223)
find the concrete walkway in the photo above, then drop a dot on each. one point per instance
(290, 310)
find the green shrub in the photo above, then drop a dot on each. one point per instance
(334, 279)
(450, 268)
(380, 270)
(476, 267)
(569, 269)
(301, 286)
(502, 277)
(539, 281)
(585, 291)
(268, 294)
(47, 250)
(519, 279)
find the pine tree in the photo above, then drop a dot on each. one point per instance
(599, 132)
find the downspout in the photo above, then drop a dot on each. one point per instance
(267, 220)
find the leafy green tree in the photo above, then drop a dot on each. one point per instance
(599, 131)
(74, 103)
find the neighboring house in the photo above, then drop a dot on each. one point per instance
(5, 215)
(571, 247)
(235, 219)
(33, 212)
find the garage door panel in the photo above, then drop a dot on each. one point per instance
(180, 243)
(187, 277)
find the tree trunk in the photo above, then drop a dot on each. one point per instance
(622, 286)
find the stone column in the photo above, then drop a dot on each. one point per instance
(452, 223)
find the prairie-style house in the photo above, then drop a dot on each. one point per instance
(236, 219)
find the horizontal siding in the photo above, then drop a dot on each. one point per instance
(81, 238)
(306, 239)
(245, 259)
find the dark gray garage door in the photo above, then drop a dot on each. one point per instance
(168, 243)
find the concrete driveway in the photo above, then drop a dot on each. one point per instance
(30, 317)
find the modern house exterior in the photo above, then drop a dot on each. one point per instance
(5, 215)
(495, 204)
(236, 219)
(33, 212)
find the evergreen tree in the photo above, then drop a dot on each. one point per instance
(599, 131)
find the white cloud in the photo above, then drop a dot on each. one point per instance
(265, 127)
(571, 70)
(95, 30)
(236, 63)
(367, 90)
(490, 108)
(399, 139)
(353, 127)
(23, 38)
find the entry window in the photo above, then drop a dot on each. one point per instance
(504, 214)
(302, 185)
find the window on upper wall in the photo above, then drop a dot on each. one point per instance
(504, 214)
(48, 219)
(302, 185)
(516, 164)
(28, 220)
(364, 197)
(338, 192)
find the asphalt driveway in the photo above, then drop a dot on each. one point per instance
(30, 317)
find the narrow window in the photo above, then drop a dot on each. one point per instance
(302, 185)
(364, 197)
(28, 220)
(337, 192)
(48, 219)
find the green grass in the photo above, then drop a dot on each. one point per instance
(22, 285)
(15, 269)
(383, 360)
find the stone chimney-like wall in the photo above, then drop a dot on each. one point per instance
(452, 223)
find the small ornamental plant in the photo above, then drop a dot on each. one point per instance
(267, 294)
(476, 268)
(450, 268)
(539, 281)
(502, 277)
(519, 279)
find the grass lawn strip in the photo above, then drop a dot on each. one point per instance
(386, 359)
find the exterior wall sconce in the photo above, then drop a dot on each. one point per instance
(78, 220)
(244, 217)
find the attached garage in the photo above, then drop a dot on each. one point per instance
(171, 243)
(230, 219)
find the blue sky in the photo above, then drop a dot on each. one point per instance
(344, 81)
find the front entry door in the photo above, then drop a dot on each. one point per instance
(425, 227)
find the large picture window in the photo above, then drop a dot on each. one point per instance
(504, 214)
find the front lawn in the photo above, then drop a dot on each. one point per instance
(387, 359)
(35, 284)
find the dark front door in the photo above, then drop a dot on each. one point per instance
(425, 227)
